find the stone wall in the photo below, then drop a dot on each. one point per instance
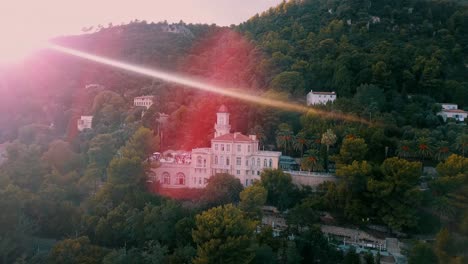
(311, 179)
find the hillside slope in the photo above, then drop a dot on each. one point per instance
(405, 46)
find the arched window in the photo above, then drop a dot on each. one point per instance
(204, 163)
(180, 178)
(264, 163)
(270, 164)
(199, 161)
(166, 178)
(152, 176)
(258, 162)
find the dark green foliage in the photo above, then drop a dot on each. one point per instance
(78, 251)
(390, 62)
(342, 45)
(422, 253)
(252, 199)
(351, 257)
(281, 191)
(352, 149)
(313, 247)
(265, 255)
(397, 194)
(223, 235)
(222, 189)
(291, 82)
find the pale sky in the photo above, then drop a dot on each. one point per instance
(40, 18)
(26, 25)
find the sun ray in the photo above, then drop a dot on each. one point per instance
(205, 85)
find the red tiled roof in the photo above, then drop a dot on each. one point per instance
(327, 93)
(222, 109)
(455, 111)
(233, 137)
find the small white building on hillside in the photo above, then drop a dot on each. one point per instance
(146, 101)
(85, 122)
(315, 98)
(449, 106)
(452, 111)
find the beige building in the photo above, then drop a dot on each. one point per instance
(452, 111)
(315, 98)
(232, 153)
(146, 101)
(84, 122)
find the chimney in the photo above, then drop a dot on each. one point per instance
(253, 137)
(235, 134)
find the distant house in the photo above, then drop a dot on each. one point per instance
(84, 122)
(449, 106)
(315, 98)
(457, 114)
(177, 29)
(452, 111)
(146, 101)
(95, 86)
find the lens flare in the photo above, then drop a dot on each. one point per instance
(205, 85)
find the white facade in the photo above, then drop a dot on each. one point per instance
(315, 98)
(222, 125)
(452, 111)
(449, 106)
(232, 153)
(145, 101)
(84, 122)
(457, 114)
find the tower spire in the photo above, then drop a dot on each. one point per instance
(222, 125)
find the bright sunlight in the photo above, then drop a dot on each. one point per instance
(16, 45)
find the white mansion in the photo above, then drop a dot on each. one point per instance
(232, 153)
(315, 98)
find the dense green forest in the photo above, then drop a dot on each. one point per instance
(81, 197)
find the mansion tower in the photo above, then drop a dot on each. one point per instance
(232, 153)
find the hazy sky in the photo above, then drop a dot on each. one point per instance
(40, 18)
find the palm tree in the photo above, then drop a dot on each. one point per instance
(444, 208)
(404, 149)
(461, 143)
(284, 137)
(329, 139)
(442, 151)
(300, 142)
(311, 161)
(424, 148)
